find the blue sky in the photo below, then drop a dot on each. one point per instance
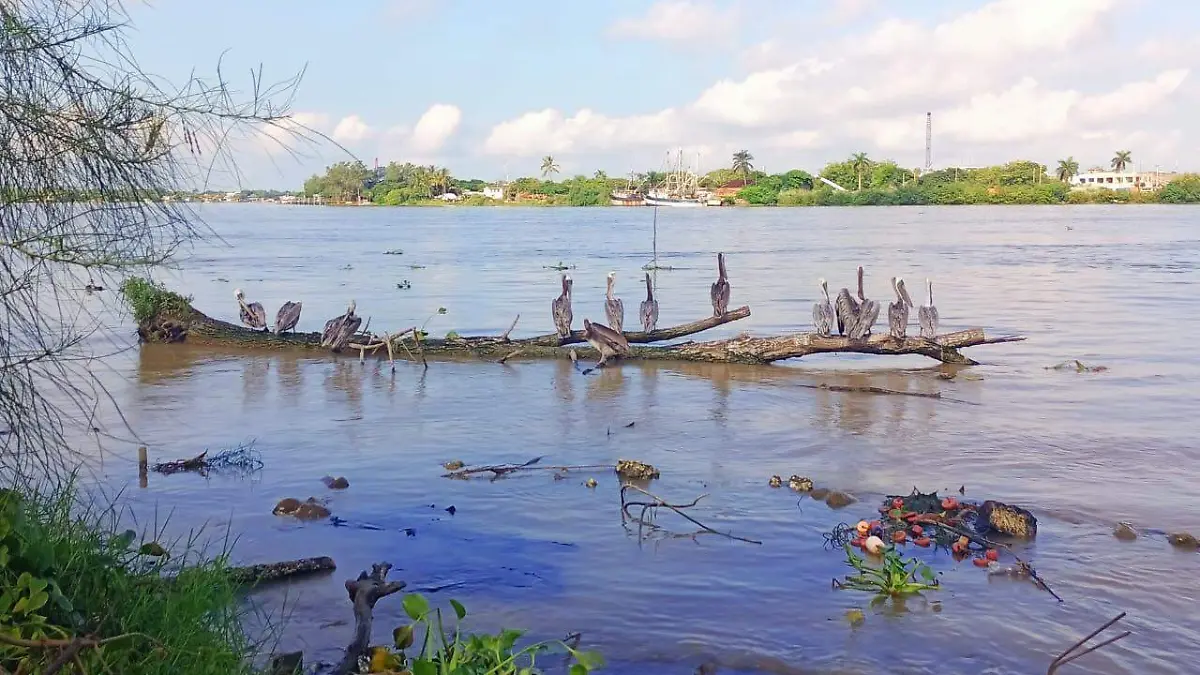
(489, 88)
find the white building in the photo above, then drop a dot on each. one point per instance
(1121, 180)
(494, 192)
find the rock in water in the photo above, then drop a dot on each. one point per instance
(1125, 532)
(1183, 540)
(339, 483)
(631, 469)
(287, 664)
(1011, 520)
(837, 500)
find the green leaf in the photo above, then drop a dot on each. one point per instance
(403, 637)
(37, 600)
(459, 610)
(123, 540)
(578, 669)
(928, 573)
(3, 556)
(424, 667)
(508, 638)
(589, 659)
(415, 606)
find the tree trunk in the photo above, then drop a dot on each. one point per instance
(198, 328)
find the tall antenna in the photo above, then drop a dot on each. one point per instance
(928, 142)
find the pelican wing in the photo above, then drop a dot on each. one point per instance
(614, 309)
(927, 316)
(868, 313)
(846, 311)
(649, 314)
(898, 319)
(608, 338)
(288, 317)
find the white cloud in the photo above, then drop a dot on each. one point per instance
(994, 77)
(351, 129)
(679, 21)
(436, 126)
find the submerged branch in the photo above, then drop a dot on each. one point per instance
(659, 502)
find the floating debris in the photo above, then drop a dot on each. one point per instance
(152, 548)
(800, 483)
(775, 482)
(1077, 366)
(453, 465)
(591, 482)
(242, 458)
(631, 469)
(404, 285)
(1011, 520)
(339, 483)
(394, 251)
(819, 494)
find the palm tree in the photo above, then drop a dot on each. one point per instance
(860, 163)
(601, 175)
(439, 179)
(742, 163)
(549, 166)
(1121, 160)
(1067, 169)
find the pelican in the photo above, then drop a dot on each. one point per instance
(614, 309)
(898, 310)
(649, 308)
(288, 317)
(823, 312)
(846, 309)
(868, 312)
(340, 329)
(605, 340)
(561, 308)
(927, 316)
(720, 290)
(253, 314)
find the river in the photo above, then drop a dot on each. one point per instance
(1110, 286)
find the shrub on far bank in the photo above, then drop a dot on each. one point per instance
(1182, 190)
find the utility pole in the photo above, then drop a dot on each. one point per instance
(928, 142)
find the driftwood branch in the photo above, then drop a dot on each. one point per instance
(659, 502)
(268, 572)
(1067, 656)
(364, 592)
(984, 541)
(198, 328)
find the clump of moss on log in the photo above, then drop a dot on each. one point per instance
(149, 300)
(160, 314)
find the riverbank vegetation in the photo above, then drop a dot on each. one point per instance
(866, 182)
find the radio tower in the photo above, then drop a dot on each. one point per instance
(928, 142)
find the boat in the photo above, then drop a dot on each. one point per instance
(680, 187)
(628, 196)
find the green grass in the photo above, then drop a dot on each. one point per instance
(893, 578)
(148, 299)
(68, 572)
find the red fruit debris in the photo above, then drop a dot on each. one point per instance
(992, 554)
(899, 537)
(917, 530)
(980, 562)
(923, 542)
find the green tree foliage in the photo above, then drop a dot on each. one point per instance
(549, 166)
(1121, 159)
(743, 163)
(343, 181)
(1183, 190)
(1067, 169)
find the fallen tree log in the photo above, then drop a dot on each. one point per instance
(195, 327)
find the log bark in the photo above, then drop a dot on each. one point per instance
(267, 572)
(199, 328)
(364, 592)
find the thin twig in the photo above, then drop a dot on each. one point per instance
(1063, 659)
(504, 469)
(509, 355)
(504, 335)
(677, 508)
(983, 541)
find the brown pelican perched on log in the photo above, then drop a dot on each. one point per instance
(614, 309)
(288, 317)
(252, 314)
(927, 315)
(898, 310)
(340, 329)
(561, 308)
(649, 308)
(823, 312)
(868, 312)
(720, 289)
(605, 340)
(846, 308)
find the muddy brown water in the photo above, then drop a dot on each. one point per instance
(1109, 286)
